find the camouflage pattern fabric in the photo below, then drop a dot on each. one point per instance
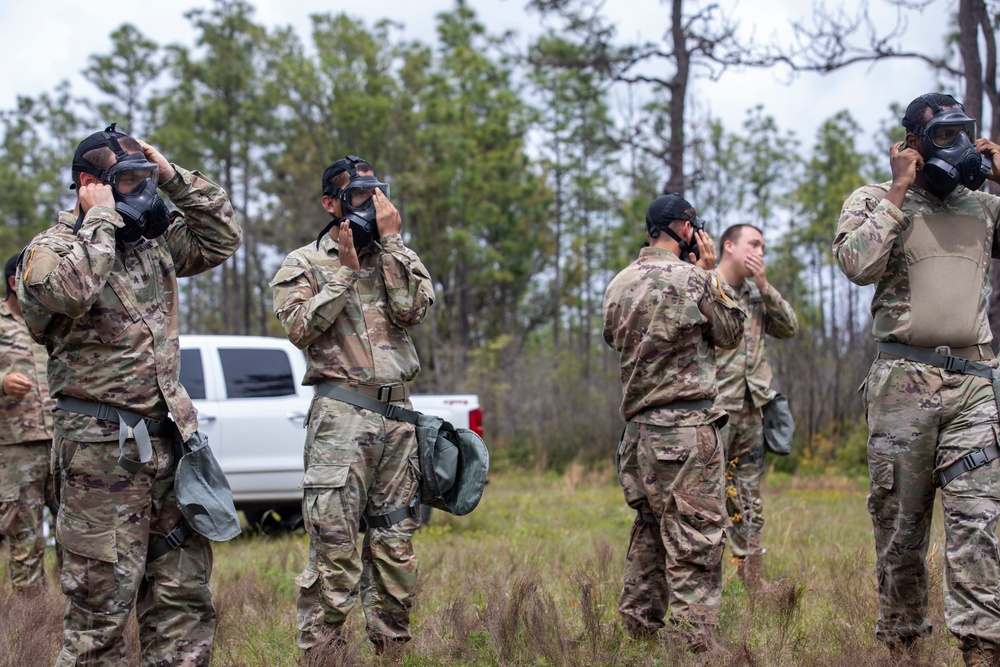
(744, 503)
(922, 418)
(745, 367)
(106, 522)
(673, 475)
(24, 483)
(29, 418)
(352, 326)
(89, 302)
(665, 318)
(357, 462)
(109, 318)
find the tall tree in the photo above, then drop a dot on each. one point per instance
(124, 75)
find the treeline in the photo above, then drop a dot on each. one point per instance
(522, 179)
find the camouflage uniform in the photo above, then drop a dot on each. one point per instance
(923, 260)
(665, 318)
(352, 326)
(109, 319)
(744, 380)
(25, 447)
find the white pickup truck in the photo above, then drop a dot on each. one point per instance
(251, 405)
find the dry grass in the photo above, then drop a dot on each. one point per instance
(532, 578)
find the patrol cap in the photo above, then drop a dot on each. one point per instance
(664, 210)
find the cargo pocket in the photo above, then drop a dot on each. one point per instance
(83, 539)
(701, 529)
(307, 579)
(113, 312)
(328, 511)
(880, 506)
(9, 509)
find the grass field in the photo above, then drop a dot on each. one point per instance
(532, 578)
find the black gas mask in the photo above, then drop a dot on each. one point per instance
(357, 202)
(133, 182)
(950, 157)
(663, 211)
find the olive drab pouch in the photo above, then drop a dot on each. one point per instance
(454, 465)
(779, 426)
(203, 493)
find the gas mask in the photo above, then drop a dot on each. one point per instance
(950, 157)
(357, 201)
(663, 211)
(133, 184)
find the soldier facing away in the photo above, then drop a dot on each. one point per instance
(25, 443)
(924, 240)
(99, 290)
(665, 314)
(348, 300)
(744, 380)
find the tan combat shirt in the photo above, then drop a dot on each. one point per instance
(929, 263)
(29, 418)
(108, 315)
(745, 367)
(352, 325)
(665, 317)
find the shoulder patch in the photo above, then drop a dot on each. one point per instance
(38, 264)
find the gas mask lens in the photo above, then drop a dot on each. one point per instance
(944, 134)
(127, 177)
(359, 191)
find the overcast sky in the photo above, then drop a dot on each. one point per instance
(42, 43)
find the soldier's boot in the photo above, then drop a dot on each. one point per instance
(637, 631)
(981, 654)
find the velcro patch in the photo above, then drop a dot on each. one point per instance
(39, 264)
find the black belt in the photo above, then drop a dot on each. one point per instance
(946, 361)
(359, 400)
(971, 461)
(753, 455)
(143, 428)
(702, 404)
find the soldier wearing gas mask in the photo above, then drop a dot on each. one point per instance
(664, 315)
(348, 300)
(99, 290)
(924, 240)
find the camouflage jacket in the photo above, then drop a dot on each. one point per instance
(746, 367)
(352, 325)
(929, 263)
(108, 315)
(29, 418)
(665, 318)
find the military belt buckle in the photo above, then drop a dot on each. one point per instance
(385, 393)
(975, 459)
(944, 350)
(174, 538)
(103, 412)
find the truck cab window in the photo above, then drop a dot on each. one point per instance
(192, 374)
(256, 373)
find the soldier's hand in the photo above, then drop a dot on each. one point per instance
(992, 151)
(904, 163)
(96, 194)
(386, 216)
(348, 255)
(156, 157)
(706, 248)
(755, 265)
(16, 385)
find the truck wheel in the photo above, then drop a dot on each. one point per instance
(274, 520)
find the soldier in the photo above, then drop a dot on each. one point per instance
(924, 239)
(348, 300)
(665, 317)
(744, 380)
(25, 443)
(99, 289)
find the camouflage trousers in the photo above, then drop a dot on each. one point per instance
(673, 477)
(107, 519)
(25, 489)
(357, 463)
(920, 420)
(743, 434)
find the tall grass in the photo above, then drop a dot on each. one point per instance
(532, 578)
